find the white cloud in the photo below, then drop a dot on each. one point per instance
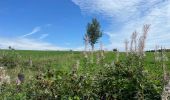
(43, 36)
(131, 15)
(35, 30)
(27, 44)
(119, 9)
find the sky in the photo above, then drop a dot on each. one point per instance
(61, 24)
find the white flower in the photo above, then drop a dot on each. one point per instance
(3, 77)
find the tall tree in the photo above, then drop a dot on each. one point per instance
(93, 32)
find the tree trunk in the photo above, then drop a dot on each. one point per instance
(92, 46)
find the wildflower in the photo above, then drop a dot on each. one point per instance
(142, 40)
(117, 56)
(166, 92)
(4, 79)
(98, 59)
(101, 50)
(156, 53)
(86, 39)
(133, 41)
(20, 79)
(126, 47)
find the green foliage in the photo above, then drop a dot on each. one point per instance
(9, 59)
(129, 78)
(93, 32)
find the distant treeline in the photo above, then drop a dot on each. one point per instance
(159, 50)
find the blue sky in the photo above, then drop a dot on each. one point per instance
(61, 24)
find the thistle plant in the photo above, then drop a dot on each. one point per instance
(86, 41)
(126, 46)
(156, 54)
(166, 79)
(20, 79)
(133, 42)
(101, 50)
(142, 40)
(100, 54)
(117, 55)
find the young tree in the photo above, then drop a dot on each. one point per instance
(93, 32)
(10, 48)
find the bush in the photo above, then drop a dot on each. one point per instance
(10, 59)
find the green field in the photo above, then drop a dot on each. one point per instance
(70, 75)
(65, 59)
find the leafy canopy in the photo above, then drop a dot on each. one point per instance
(93, 31)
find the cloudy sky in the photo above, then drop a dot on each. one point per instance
(61, 24)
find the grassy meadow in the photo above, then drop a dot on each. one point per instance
(76, 75)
